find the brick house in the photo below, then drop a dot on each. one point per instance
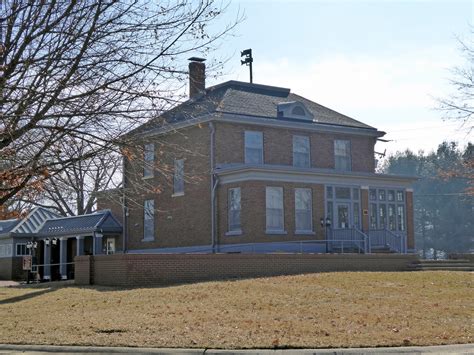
(243, 167)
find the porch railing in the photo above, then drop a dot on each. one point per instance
(384, 238)
(352, 237)
(302, 246)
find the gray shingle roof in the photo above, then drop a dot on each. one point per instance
(34, 220)
(7, 225)
(99, 221)
(242, 98)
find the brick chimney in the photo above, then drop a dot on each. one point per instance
(197, 77)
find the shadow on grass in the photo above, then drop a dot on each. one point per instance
(26, 296)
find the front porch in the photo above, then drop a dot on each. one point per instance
(60, 240)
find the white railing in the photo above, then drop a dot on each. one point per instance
(303, 246)
(387, 239)
(353, 237)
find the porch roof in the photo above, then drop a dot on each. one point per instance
(101, 222)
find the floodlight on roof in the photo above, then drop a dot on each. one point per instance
(248, 60)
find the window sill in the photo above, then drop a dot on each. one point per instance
(233, 233)
(148, 177)
(303, 232)
(177, 194)
(276, 232)
(148, 240)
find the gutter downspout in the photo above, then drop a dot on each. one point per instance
(214, 182)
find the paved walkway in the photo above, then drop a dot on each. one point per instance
(46, 349)
(8, 283)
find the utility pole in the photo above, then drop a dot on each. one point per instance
(247, 61)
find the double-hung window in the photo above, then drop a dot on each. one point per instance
(303, 210)
(178, 177)
(301, 155)
(253, 147)
(274, 210)
(234, 210)
(149, 220)
(149, 160)
(342, 155)
(22, 250)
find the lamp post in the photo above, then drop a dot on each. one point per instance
(31, 246)
(326, 223)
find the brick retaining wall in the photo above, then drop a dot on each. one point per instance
(131, 270)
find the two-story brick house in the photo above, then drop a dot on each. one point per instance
(248, 167)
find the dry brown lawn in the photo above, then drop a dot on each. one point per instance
(317, 310)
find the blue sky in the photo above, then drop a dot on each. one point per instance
(381, 62)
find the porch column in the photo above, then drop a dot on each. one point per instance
(47, 260)
(80, 245)
(63, 257)
(97, 239)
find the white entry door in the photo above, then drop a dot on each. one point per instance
(342, 215)
(110, 245)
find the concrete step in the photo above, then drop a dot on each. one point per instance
(441, 267)
(449, 261)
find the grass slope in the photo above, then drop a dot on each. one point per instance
(316, 310)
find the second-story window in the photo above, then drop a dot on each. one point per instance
(253, 147)
(149, 220)
(301, 155)
(342, 155)
(178, 178)
(149, 160)
(234, 210)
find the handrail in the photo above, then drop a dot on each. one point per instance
(366, 239)
(290, 246)
(387, 238)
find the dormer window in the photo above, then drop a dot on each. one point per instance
(295, 110)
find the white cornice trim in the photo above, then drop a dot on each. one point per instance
(312, 176)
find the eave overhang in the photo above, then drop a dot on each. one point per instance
(265, 122)
(279, 173)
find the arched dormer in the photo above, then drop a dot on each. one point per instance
(294, 109)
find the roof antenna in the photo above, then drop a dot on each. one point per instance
(247, 61)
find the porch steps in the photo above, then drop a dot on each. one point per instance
(382, 250)
(347, 250)
(444, 265)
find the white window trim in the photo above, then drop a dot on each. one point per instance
(262, 155)
(28, 252)
(349, 157)
(233, 233)
(236, 231)
(281, 231)
(305, 231)
(179, 193)
(152, 238)
(145, 162)
(309, 151)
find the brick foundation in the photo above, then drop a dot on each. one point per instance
(133, 270)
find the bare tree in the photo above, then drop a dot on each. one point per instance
(460, 105)
(73, 191)
(87, 71)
